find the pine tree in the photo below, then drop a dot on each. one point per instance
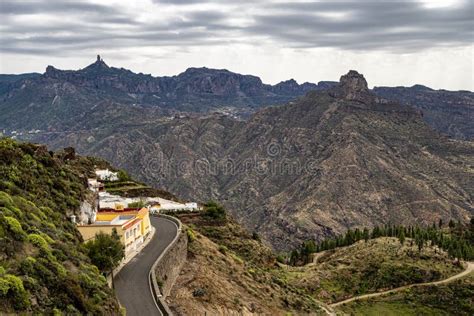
(401, 237)
(366, 235)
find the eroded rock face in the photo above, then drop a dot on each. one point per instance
(354, 82)
(353, 87)
(449, 112)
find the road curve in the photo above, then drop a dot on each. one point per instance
(469, 269)
(132, 282)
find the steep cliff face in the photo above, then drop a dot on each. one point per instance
(61, 100)
(342, 159)
(335, 159)
(449, 112)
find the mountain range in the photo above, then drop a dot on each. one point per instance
(332, 156)
(60, 100)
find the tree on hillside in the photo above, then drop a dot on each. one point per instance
(122, 175)
(307, 249)
(214, 211)
(105, 251)
(366, 234)
(420, 242)
(401, 237)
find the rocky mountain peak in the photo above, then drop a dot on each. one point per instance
(353, 82)
(353, 87)
(52, 72)
(99, 63)
(50, 69)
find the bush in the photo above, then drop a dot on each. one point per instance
(223, 249)
(5, 199)
(37, 192)
(11, 288)
(39, 242)
(105, 251)
(27, 266)
(15, 227)
(123, 175)
(214, 211)
(199, 292)
(191, 235)
(137, 204)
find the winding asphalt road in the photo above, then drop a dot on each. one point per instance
(132, 282)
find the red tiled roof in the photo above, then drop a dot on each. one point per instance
(112, 210)
(129, 224)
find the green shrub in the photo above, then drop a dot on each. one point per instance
(60, 269)
(5, 199)
(27, 266)
(223, 249)
(39, 242)
(137, 204)
(15, 227)
(199, 292)
(105, 251)
(191, 235)
(37, 191)
(11, 288)
(46, 237)
(214, 211)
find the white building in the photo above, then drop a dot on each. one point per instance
(106, 175)
(94, 185)
(167, 205)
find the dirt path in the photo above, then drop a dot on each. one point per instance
(469, 269)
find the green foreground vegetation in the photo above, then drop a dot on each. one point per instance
(44, 268)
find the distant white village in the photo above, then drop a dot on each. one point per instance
(129, 217)
(111, 201)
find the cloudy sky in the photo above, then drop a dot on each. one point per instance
(401, 42)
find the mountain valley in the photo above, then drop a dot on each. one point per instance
(333, 160)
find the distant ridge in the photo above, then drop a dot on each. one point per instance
(196, 90)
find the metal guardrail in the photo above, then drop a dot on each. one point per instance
(154, 288)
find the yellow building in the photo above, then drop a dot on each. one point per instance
(131, 225)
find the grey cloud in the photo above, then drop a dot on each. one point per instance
(194, 2)
(368, 25)
(44, 6)
(393, 25)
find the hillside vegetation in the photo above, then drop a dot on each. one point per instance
(43, 267)
(230, 272)
(371, 266)
(455, 298)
